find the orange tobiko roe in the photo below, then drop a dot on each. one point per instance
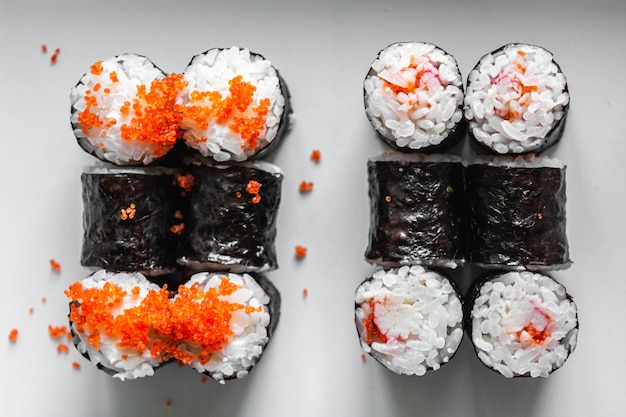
(190, 327)
(210, 107)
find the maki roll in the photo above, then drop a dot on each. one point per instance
(112, 319)
(522, 323)
(130, 219)
(516, 100)
(417, 210)
(235, 316)
(409, 319)
(413, 97)
(235, 105)
(218, 324)
(126, 111)
(517, 212)
(230, 217)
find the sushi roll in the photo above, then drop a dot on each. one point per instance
(413, 97)
(516, 100)
(236, 105)
(234, 319)
(409, 319)
(112, 320)
(417, 210)
(522, 323)
(131, 219)
(126, 111)
(517, 210)
(230, 217)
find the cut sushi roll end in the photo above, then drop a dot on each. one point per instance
(523, 324)
(97, 325)
(235, 104)
(409, 319)
(218, 324)
(413, 96)
(126, 111)
(516, 100)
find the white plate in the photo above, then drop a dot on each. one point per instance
(313, 365)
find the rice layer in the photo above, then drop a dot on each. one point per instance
(409, 319)
(523, 324)
(516, 98)
(414, 95)
(234, 104)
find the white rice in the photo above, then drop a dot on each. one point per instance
(107, 144)
(427, 105)
(509, 309)
(419, 313)
(212, 71)
(250, 336)
(515, 98)
(123, 363)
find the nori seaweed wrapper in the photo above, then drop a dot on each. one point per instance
(517, 216)
(227, 228)
(142, 242)
(417, 209)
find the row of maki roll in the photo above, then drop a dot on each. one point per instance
(515, 101)
(218, 324)
(441, 211)
(207, 217)
(180, 219)
(228, 105)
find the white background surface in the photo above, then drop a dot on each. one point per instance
(323, 49)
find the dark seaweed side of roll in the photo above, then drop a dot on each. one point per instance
(143, 243)
(423, 221)
(517, 217)
(224, 229)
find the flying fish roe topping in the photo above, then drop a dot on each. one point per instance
(128, 213)
(234, 110)
(157, 115)
(13, 335)
(44, 49)
(177, 228)
(316, 155)
(192, 326)
(185, 181)
(305, 187)
(300, 251)
(55, 265)
(253, 187)
(96, 68)
(76, 366)
(57, 331)
(62, 348)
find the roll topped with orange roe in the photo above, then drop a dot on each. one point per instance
(235, 104)
(127, 111)
(219, 324)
